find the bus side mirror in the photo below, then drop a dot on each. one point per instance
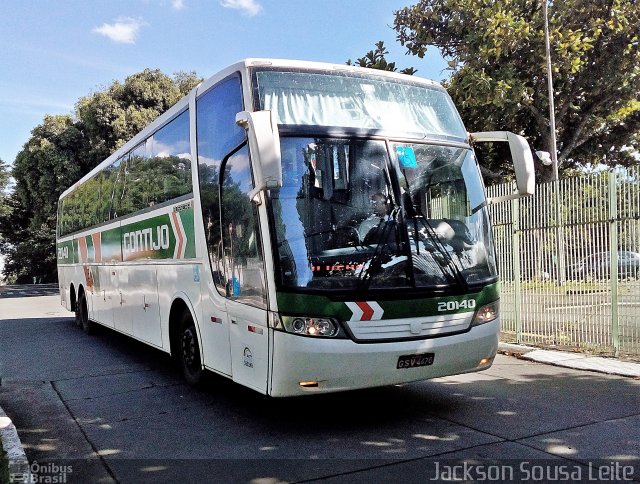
(264, 145)
(521, 155)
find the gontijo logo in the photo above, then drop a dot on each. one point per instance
(146, 240)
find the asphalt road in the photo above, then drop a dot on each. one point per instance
(106, 408)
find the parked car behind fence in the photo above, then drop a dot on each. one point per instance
(598, 266)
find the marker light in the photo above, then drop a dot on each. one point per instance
(309, 384)
(308, 326)
(486, 313)
(485, 363)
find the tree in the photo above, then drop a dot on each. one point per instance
(112, 117)
(4, 206)
(63, 149)
(53, 158)
(4, 182)
(497, 56)
(375, 59)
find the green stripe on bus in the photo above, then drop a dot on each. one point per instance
(162, 237)
(67, 252)
(398, 308)
(188, 223)
(111, 248)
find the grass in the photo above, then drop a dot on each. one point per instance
(567, 286)
(573, 287)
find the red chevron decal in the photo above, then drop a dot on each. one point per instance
(84, 252)
(97, 248)
(179, 235)
(367, 311)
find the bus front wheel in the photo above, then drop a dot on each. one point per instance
(190, 360)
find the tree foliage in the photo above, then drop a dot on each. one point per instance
(497, 57)
(63, 149)
(53, 158)
(4, 182)
(375, 59)
(112, 117)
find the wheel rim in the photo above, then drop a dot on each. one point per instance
(189, 349)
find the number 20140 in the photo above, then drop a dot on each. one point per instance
(455, 305)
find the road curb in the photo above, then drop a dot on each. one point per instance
(514, 349)
(577, 361)
(16, 457)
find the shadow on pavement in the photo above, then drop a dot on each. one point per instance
(28, 290)
(115, 409)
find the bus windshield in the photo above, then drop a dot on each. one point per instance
(361, 101)
(360, 214)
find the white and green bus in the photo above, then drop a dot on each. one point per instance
(297, 227)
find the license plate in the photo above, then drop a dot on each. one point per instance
(413, 361)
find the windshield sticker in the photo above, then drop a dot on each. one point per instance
(337, 267)
(406, 157)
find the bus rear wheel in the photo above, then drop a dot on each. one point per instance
(190, 360)
(82, 315)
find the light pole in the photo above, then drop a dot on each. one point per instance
(552, 116)
(554, 148)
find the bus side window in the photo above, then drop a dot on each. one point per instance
(217, 135)
(123, 203)
(168, 170)
(241, 233)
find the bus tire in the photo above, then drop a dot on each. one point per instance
(78, 319)
(82, 315)
(189, 348)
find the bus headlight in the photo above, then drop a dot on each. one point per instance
(308, 326)
(486, 313)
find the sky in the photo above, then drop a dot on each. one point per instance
(54, 52)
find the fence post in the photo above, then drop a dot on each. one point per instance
(515, 254)
(613, 270)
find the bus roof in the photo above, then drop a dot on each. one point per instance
(241, 66)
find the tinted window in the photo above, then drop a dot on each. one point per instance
(160, 170)
(155, 171)
(242, 260)
(218, 135)
(90, 201)
(168, 169)
(122, 202)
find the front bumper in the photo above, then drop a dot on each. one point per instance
(338, 365)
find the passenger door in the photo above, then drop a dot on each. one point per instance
(218, 137)
(245, 286)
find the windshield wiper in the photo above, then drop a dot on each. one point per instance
(454, 273)
(375, 263)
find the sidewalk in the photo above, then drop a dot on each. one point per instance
(16, 457)
(577, 361)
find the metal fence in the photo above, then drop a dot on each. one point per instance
(569, 262)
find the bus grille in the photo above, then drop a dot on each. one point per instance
(405, 328)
